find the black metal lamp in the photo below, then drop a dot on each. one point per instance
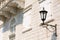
(43, 14)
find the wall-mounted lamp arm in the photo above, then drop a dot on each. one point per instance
(54, 26)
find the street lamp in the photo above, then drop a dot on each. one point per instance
(43, 14)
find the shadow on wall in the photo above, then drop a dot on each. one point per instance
(18, 18)
(53, 37)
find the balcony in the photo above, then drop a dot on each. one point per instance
(2, 18)
(1, 1)
(10, 8)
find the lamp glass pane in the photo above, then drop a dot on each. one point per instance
(44, 16)
(41, 14)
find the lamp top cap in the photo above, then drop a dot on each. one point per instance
(43, 10)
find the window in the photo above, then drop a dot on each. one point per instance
(27, 18)
(12, 37)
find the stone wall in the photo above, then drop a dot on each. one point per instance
(34, 31)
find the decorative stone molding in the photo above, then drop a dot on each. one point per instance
(1, 1)
(27, 8)
(21, 3)
(40, 1)
(2, 18)
(11, 36)
(6, 14)
(27, 30)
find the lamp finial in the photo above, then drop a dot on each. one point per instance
(43, 8)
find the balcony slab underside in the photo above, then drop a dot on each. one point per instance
(10, 10)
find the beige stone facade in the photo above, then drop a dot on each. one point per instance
(22, 20)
